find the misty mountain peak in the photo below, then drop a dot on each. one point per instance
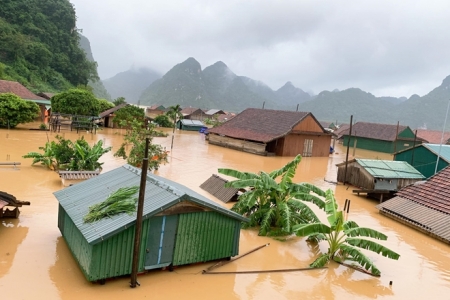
(446, 81)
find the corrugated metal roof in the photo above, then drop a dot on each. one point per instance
(444, 151)
(160, 194)
(416, 215)
(215, 185)
(188, 122)
(78, 175)
(389, 169)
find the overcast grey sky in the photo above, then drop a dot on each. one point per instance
(388, 48)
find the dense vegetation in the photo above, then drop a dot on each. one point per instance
(77, 102)
(14, 110)
(64, 154)
(39, 45)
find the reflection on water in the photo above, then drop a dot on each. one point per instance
(32, 249)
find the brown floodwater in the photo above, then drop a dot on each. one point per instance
(35, 262)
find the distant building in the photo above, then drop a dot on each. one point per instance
(193, 113)
(380, 137)
(190, 125)
(273, 132)
(433, 136)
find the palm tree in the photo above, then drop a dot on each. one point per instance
(174, 113)
(342, 237)
(276, 207)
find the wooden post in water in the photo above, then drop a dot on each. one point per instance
(348, 148)
(414, 148)
(138, 231)
(396, 137)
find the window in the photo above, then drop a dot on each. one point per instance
(307, 148)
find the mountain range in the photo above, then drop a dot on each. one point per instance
(216, 86)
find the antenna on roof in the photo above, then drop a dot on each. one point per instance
(297, 107)
(263, 104)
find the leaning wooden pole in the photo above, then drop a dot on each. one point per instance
(138, 231)
(348, 149)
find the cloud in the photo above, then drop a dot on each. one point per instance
(379, 46)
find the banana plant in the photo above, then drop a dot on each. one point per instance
(47, 158)
(344, 239)
(274, 206)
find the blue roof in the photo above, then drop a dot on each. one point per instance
(160, 194)
(442, 150)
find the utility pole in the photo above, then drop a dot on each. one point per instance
(140, 210)
(442, 139)
(348, 148)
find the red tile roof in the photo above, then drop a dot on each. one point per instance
(433, 193)
(261, 125)
(384, 132)
(17, 89)
(433, 136)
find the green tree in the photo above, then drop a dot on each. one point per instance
(75, 102)
(163, 121)
(14, 110)
(135, 136)
(104, 104)
(174, 113)
(119, 100)
(342, 237)
(275, 206)
(127, 114)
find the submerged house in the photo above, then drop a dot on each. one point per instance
(108, 115)
(18, 89)
(190, 125)
(273, 132)
(424, 206)
(380, 137)
(9, 200)
(377, 178)
(424, 157)
(179, 226)
(193, 113)
(215, 185)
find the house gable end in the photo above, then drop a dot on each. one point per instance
(308, 124)
(406, 133)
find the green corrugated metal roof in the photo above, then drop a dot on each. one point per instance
(160, 194)
(389, 169)
(444, 151)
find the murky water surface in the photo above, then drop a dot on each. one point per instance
(35, 262)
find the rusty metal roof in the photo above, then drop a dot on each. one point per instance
(262, 125)
(215, 185)
(433, 193)
(18, 89)
(111, 110)
(78, 175)
(416, 215)
(384, 132)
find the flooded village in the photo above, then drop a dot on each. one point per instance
(35, 260)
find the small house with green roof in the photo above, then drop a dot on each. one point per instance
(377, 178)
(424, 157)
(380, 137)
(179, 226)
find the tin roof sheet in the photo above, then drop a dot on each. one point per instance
(417, 215)
(215, 185)
(389, 169)
(188, 122)
(160, 194)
